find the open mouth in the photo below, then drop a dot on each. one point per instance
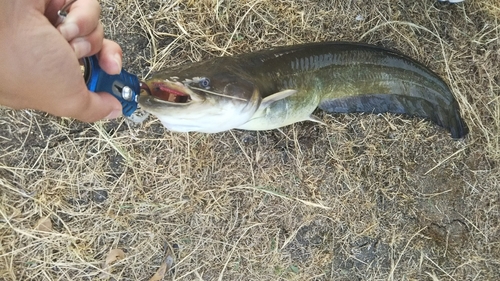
(168, 92)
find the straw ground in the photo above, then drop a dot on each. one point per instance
(367, 197)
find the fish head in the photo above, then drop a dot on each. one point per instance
(207, 101)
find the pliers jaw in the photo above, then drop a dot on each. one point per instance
(125, 87)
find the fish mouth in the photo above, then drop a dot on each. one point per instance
(183, 93)
(170, 92)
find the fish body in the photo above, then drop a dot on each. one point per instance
(280, 86)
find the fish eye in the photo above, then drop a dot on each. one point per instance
(204, 82)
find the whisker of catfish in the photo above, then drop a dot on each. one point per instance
(217, 94)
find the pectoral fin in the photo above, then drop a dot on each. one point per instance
(276, 97)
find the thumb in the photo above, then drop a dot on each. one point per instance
(97, 106)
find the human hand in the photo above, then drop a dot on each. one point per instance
(39, 66)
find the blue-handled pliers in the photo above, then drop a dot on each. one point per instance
(125, 87)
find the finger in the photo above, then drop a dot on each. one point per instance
(110, 57)
(82, 19)
(90, 44)
(94, 106)
(51, 10)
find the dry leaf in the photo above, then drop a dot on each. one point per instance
(165, 266)
(44, 225)
(160, 273)
(113, 255)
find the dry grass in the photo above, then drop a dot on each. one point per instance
(364, 198)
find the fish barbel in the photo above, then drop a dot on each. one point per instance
(280, 86)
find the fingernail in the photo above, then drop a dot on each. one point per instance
(118, 60)
(114, 114)
(69, 30)
(82, 47)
